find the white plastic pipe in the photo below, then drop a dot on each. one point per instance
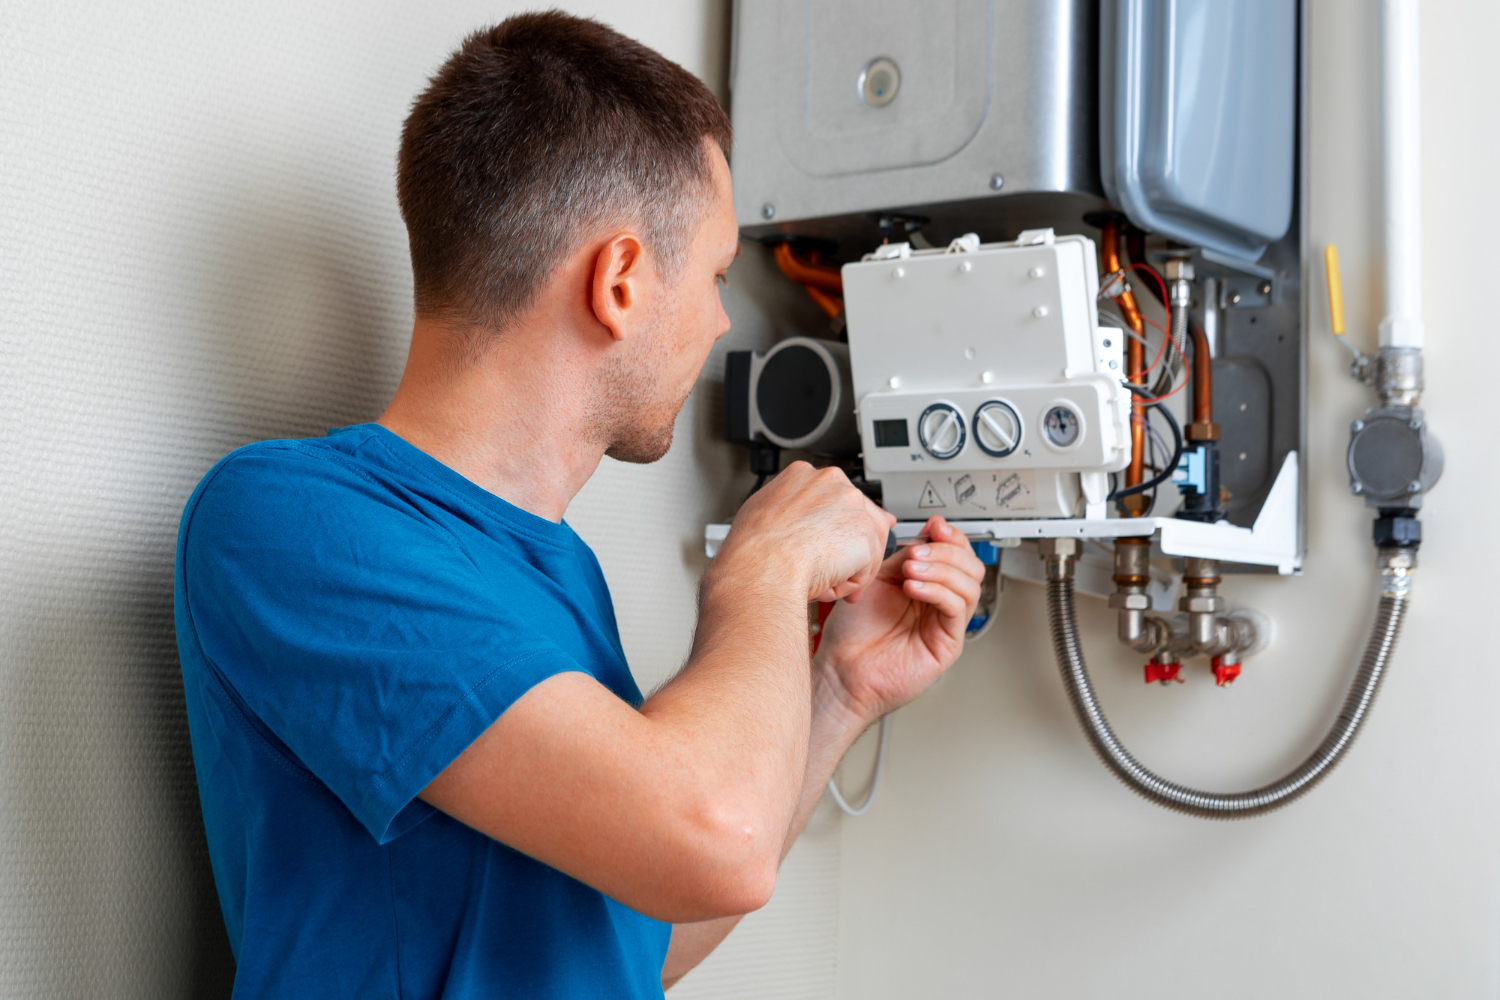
(1401, 148)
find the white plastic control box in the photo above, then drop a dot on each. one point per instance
(985, 387)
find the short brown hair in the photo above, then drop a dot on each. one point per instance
(534, 135)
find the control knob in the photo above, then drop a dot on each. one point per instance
(941, 430)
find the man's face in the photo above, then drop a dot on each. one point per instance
(688, 317)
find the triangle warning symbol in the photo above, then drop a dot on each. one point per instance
(930, 497)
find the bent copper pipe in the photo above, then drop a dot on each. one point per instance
(1135, 353)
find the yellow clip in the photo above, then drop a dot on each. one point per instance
(1335, 289)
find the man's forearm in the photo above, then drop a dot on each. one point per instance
(834, 728)
(739, 707)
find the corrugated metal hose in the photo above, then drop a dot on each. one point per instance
(1395, 580)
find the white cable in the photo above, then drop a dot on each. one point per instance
(883, 739)
(864, 807)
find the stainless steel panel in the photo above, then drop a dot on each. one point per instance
(994, 125)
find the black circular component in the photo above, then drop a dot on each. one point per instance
(1386, 456)
(793, 391)
(942, 431)
(997, 428)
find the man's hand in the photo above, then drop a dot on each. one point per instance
(815, 524)
(886, 643)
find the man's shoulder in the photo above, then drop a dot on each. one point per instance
(280, 483)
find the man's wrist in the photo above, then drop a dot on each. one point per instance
(841, 708)
(755, 568)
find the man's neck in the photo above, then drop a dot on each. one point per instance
(509, 421)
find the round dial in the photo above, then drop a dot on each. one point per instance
(941, 430)
(1062, 427)
(997, 429)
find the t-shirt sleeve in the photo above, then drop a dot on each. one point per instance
(354, 629)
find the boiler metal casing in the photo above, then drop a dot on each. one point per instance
(992, 98)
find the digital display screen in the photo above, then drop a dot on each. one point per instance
(891, 434)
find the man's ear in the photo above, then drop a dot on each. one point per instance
(616, 289)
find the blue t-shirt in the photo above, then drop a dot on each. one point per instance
(351, 615)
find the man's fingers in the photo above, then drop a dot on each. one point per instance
(944, 575)
(939, 530)
(962, 559)
(949, 604)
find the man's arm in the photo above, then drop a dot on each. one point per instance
(835, 726)
(680, 810)
(880, 649)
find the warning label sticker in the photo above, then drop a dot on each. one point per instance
(930, 500)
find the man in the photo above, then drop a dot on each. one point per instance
(425, 769)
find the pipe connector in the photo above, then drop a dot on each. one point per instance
(1132, 577)
(1396, 566)
(1202, 601)
(1060, 555)
(1398, 376)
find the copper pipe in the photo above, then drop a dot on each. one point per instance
(1203, 378)
(1135, 352)
(831, 305)
(825, 279)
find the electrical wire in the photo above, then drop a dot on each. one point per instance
(864, 807)
(1171, 464)
(1160, 350)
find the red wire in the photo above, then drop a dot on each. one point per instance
(1186, 377)
(1165, 337)
(1160, 283)
(1161, 349)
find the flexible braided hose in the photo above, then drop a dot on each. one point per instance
(1218, 805)
(1172, 361)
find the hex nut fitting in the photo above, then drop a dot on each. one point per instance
(1060, 548)
(1201, 605)
(1123, 601)
(1179, 269)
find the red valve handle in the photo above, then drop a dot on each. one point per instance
(1163, 672)
(1224, 673)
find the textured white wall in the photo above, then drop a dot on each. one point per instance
(1003, 860)
(200, 247)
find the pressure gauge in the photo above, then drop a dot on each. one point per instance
(941, 430)
(997, 429)
(1062, 427)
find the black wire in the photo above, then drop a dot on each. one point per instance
(759, 482)
(1171, 465)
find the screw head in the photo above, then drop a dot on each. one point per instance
(899, 272)
(996, 182)
(1234, 298)
(1415, 424)
(964, 267)
(1264, 288)
(1356, 487)
(1357, 426)
(1415, 486)
(768, 211)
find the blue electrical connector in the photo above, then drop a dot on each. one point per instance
(1192, 470)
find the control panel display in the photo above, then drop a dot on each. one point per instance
(891, 434)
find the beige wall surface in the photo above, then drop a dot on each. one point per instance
(1004, 861)
(199, 247)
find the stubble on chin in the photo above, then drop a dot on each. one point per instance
(642, 445)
